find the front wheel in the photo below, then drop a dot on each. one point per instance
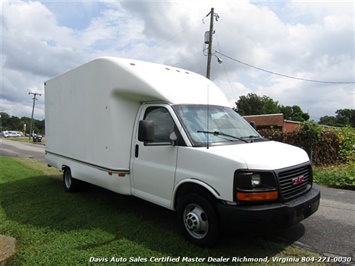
(198, 220)
(70, 183)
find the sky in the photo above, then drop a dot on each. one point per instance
(295, 52)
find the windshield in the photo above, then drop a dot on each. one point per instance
(214, 125)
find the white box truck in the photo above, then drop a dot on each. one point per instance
(168, 136)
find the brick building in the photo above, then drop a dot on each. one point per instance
(275, 121)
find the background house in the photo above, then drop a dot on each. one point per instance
(275, 121)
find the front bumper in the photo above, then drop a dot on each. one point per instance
(282, 214)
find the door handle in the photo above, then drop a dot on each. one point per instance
(136, 151)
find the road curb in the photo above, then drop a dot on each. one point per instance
(7, 249)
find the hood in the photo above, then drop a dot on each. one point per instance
(268, 155)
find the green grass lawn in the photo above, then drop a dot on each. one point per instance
(53, 227)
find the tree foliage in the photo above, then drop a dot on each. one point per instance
(14, 123)
(253, 104)
(344, 117)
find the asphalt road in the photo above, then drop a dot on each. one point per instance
(331, 230)
(328, 232)
(22, 149)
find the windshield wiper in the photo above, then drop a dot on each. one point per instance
(217, 133)
(252, 137)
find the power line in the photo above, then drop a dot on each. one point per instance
(283, 75)
(225, 70)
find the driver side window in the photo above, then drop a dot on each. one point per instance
(163, 123)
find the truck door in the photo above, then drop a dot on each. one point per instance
(154, 164)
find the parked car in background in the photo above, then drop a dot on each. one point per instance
(37, 138)
(13, 134)
(4, 134)
(18, 134)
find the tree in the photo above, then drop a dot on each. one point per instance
(252, 104)
(328, 120)
(4, 120)
(344, 117)
(287, 111)
(298, 114)
(17, 124)
(294, 113)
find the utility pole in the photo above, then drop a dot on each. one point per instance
(210, 35)
(33, 108)
(209, 57)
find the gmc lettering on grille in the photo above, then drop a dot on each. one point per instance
(297, 180)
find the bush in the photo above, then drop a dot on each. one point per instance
(346, 137)
(326, 149)
(342, 176)
(324, 145)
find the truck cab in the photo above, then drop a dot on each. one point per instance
(211, 166)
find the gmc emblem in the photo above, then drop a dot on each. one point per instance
(297, 180)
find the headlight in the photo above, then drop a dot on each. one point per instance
(252, 186)
(255, 180)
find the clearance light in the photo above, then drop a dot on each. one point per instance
(119, 174)
(257, 196)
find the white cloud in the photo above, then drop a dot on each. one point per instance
(311, 40)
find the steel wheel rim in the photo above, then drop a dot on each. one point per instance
(195, 221)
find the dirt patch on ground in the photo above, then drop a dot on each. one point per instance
(7, 249)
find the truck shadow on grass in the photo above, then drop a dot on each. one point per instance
(111, 224)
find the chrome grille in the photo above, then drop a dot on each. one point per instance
(294, 181)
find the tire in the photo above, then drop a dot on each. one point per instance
(198, 220)
(70, 183)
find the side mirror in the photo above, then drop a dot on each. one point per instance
(146, 131)
(173, 137)
(252, 123)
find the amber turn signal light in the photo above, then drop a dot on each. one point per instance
(257, 196)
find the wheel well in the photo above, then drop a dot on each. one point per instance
(188, 188)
